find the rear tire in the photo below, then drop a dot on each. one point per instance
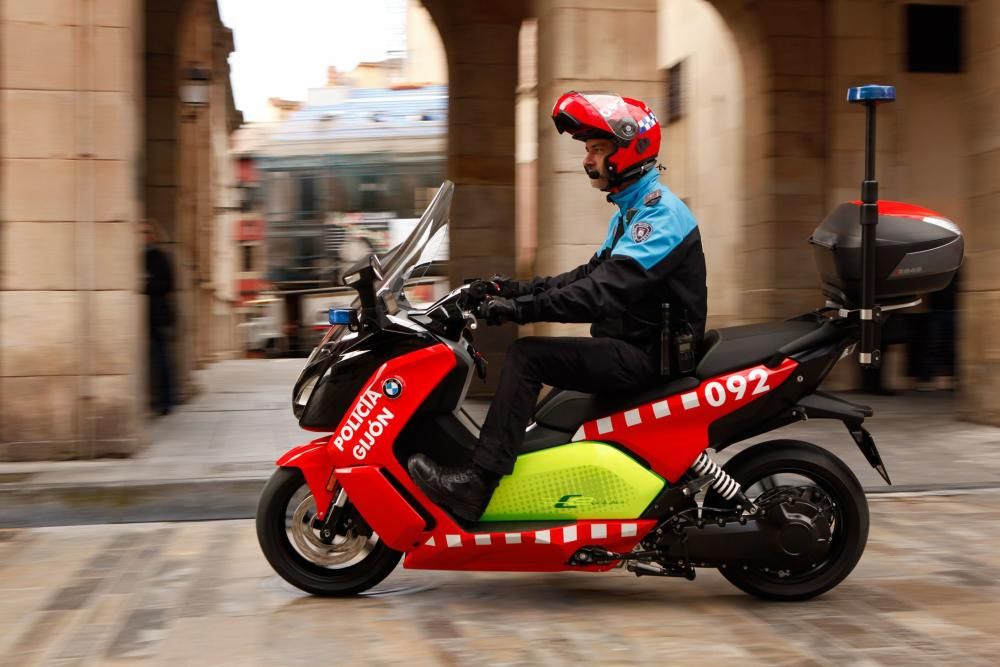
(273, 527)
(832, 476)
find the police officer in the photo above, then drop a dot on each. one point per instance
(652, 255)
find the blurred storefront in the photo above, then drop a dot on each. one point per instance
(333, 179)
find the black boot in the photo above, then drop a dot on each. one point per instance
(466, 491)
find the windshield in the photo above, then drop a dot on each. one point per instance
(424, 250)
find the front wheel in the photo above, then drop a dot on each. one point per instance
(346, 563)
(812, 472)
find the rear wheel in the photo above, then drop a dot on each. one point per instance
(802, 471)
(346, 563)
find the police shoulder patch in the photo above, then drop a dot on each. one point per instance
(641, 231)
(652, 197)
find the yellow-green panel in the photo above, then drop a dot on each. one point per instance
(581, 480)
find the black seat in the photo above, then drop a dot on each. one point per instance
(539, 437)
(734, 348)
(725, 350)
(565, 411)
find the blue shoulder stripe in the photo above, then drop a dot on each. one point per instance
(654, 233)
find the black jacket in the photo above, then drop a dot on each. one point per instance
(652, 255)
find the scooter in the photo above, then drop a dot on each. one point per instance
(602, 481)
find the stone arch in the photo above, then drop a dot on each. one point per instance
(704, 138)
(784, 149)
(184, 184)
(159, 169)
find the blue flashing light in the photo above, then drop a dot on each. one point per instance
(340, 316)
(871, 93)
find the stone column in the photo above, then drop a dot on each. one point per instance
(783, 46)
(979, 322)
(583, 45)
(69, 272)
(163, 171)
(480, 40)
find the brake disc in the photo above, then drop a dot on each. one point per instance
(341, 549)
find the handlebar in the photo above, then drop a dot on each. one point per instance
(469, 300)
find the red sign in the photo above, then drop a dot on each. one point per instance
(250, 230)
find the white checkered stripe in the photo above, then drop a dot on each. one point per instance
(647, 122)
(644, 414)
(582, 533)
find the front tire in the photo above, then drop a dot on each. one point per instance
(767, 463)
(286, 536)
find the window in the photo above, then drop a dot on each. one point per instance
(250, 253)
(249, 197)
(934, 38)
(277, 195)
(308, 199)
(336, 198)
(371, 189)
(676, 102)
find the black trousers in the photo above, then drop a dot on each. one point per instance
(591, 365)
(161, 372)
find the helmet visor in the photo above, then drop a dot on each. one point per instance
(565, 122)
(614, 113)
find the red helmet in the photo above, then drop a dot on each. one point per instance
(629, 123)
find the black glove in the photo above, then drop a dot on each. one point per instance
(508, 288)
(500, 310)
(496, 286)
(480, 289)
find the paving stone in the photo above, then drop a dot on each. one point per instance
(201, 593)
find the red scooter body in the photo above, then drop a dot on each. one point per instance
(668, 433)
(783, 519)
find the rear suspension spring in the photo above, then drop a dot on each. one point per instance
(723, 483)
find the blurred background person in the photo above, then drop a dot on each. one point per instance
(935, 368)
(159, 289)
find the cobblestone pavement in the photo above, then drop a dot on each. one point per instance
(201, 594)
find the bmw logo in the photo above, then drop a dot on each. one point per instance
(392, 388)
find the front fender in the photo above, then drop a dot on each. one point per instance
(313, 459)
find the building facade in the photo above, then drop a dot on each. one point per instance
(95, 137)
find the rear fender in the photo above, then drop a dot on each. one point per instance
(820, 405)
(313, 459)
(825, 406)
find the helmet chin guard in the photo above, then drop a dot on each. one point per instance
(629, 123)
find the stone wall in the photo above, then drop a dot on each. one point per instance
(979, 326)
(69, 312)
(89, 145)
